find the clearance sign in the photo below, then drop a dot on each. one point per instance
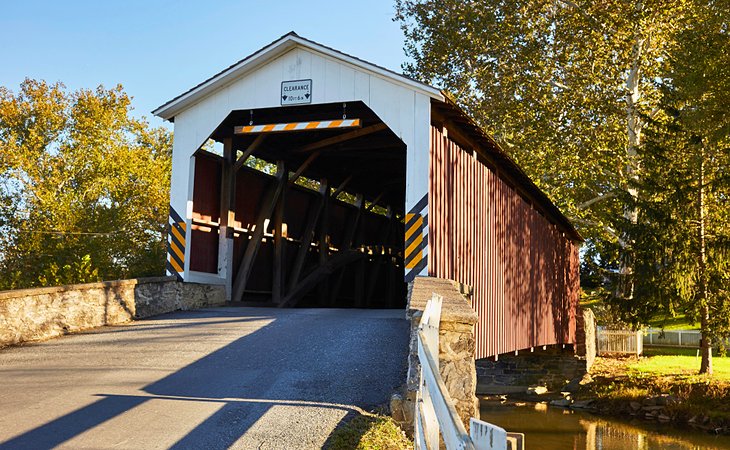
(296, 92)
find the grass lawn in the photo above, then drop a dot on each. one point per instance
(672, 365)
(616, 382)
(679, 322)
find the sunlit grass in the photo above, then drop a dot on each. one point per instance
(618, 381)
(664, 365)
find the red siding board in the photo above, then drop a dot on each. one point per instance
(523, 270)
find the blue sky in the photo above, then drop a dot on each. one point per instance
(158, 49)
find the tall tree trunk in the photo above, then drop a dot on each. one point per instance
(706, 342)
(634, 127)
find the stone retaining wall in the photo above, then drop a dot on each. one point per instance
(456, 349)
(555, 367)
(552, 368)
(43, 313)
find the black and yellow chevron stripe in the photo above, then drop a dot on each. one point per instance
(176, 245)
(416, 239)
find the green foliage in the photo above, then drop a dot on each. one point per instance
(85, 187)
(368, 432)
(550, 80)
(619, 111)
(680, 245)
(80, 271)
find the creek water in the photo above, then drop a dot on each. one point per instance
(558, 429)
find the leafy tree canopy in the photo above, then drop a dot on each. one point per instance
(681, 242)
(84, 187)
(563, 86)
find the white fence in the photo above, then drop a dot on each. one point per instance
(435, 412)
(677, 338)
(619, 342)
(672, 338)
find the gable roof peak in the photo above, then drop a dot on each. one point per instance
(271, 51)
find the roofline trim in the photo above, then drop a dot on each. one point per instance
(547, 205)
(272, 51)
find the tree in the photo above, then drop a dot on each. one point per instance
(681, 242)
(85, 187)
(565, 86)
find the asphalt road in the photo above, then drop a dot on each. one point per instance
(251, 378)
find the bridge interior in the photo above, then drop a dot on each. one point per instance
(315, 215)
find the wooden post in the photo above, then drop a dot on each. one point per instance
(324, 246)
(227, 215)
(254, 243)
(359, 294)
(308, 235)
(277, 288)
(347, 243)
(354, 222)
(377, 261)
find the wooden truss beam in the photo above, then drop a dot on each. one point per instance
(304, 167)
(249, 151)
(341, 187)
(249, 256)
(375, 202)
(308, 235)
(336, 262)
(342, 138)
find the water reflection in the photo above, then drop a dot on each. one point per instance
(557, 429)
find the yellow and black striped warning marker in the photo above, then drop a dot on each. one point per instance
(176, 245)
(416, 239)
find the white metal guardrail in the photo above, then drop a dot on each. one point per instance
(435, 413)
(619, 341)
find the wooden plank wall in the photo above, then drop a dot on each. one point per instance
(522, 268)
(206, 214)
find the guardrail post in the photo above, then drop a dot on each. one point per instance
(436, 416)
(486, 436)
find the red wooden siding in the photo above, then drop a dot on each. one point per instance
(206, 207)
(522, 268)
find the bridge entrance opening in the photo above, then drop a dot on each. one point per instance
(313, 197)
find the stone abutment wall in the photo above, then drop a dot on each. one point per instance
(43, 313)
(555, 367)
(456, 349)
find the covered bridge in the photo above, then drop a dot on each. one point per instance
(302, 176)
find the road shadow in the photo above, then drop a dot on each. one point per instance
(334, 359)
